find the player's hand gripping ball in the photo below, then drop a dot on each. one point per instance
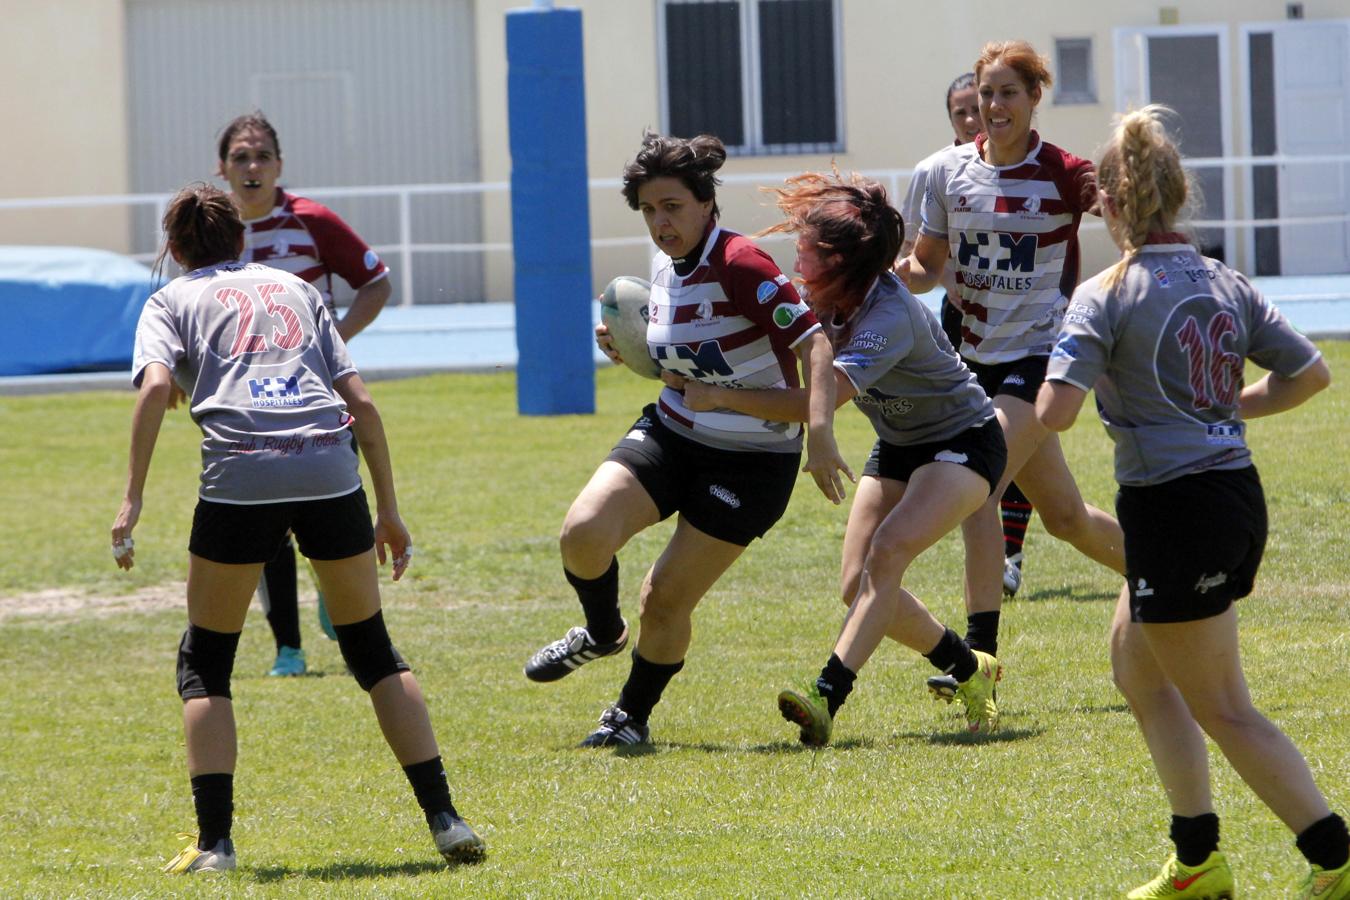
(623, 310)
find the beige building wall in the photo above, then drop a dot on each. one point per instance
(64, 76)
(898, 58)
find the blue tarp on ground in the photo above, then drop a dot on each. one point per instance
(69, 309)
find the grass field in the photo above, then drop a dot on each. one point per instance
(1061, 802)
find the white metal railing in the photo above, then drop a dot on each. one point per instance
(406, 245)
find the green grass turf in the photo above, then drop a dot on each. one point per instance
(1062, 802)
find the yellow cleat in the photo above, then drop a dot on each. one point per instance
(1211, 880)
(976, 693)
(1326, 884)
(191, 860)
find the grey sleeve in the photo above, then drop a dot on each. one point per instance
(880, 341)
(911, 209)
(1274, 344)
(934, 206)
(157, 338)
(1085, 340)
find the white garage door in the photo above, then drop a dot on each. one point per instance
(362, 92)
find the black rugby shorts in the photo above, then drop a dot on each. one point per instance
(732, 495)
(1193, 544)
(1020, 378)
(981, 449)
(237, 534)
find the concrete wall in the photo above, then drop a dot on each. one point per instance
(898, 59)
(63, 69)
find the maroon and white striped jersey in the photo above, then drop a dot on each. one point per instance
(732, 321)
(1013, 238)
(311, 241)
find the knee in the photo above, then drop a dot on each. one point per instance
(1063, 521)
(848, 586)
(890, 554)
(205, 661)
(663, 608)
(581, 534)
(368, 652)
(1223, 715)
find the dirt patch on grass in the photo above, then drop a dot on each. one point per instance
(64, 604)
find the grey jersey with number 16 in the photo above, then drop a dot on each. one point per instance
(1165, 351)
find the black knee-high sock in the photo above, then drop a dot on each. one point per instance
(283, 604)
(213, 797)
(431, 787)
(982, 632)
(600, 602)
(1326, 842)
(1015, 510)
(835, 683)
(1196, 837)
(646, 682)
(953, 656)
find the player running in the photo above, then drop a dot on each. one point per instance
(310, 241)
(938, 454)
(1005, 209)
(277, 398)
(1162, 336)
(721, 313)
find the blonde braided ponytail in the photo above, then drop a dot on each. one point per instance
(1141, 172)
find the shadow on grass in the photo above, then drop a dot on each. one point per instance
(1064, 593)
(345, 871)
(962, 738)
(775, 747)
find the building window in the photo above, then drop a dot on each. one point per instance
(1074, 81)
(763, 75)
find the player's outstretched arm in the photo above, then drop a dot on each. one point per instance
(823, 460)
(151, 402)
(1276, 393)
(389, 528)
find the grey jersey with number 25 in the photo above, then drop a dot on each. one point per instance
(257, 354)
(1165, 350)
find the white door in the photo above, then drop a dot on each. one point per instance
(1186, 67)
(1312, 117)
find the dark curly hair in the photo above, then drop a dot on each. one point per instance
(694, 161)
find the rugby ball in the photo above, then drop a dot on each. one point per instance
(623, 310)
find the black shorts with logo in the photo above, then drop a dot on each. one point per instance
(236, 534)
(981, 449)
(951, 321)
(732, 495)
(1193, 544)
(1020, 378)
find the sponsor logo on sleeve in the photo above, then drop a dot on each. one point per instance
(786, 313)
(766, 291)
(868, 340)
(1067, 348)
(372, 260)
